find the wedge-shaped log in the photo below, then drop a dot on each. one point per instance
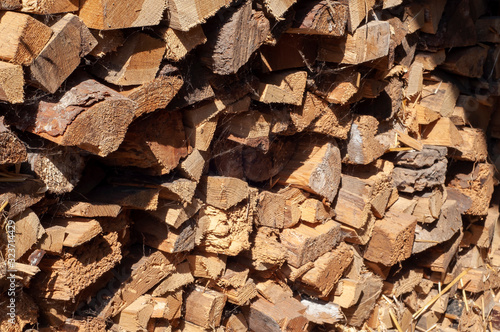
(315, 167)
(204, 307)
(107, 15)
(62, 54)
(316, 18)
(392, 239)
(89, 115)
(136, 62)
(242, 33)
(184, 15)
(305, 243)
(22, 37)
(369, 42)
(285, 87)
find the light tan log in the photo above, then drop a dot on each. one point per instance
(358, 9)
(304, 243)
(137, 314)
(193, 166)
(473, 147)
(107, 14)
(179, 278)
(180, 43)
(22, 37)
(204, 307)
(442, 132)
(52, 240)
(369, 42)
(274, 210)
(430, 60)
(223, 192)
(284, 87)
(87, 210)
(278, 8)
(200, 123)
(157, 235)
(315, 167)
(174, 213)
(136, 62)
(439, 97)
(28, 230)
(108, 41)
(168, 307)
(11, 83)
(78, 230)
(71, 40)
(392, 239)
(184, 15)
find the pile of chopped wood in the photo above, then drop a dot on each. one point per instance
(265, 165)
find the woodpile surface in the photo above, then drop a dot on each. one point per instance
(265, 165)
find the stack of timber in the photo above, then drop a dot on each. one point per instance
(249, 165)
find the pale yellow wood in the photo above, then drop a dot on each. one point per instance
(185, 14)
(28, 230)
(285, 87)
(180, 43)
(11, 83)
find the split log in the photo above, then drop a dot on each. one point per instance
(64, 279)
(338, 88)
(369, 42)
(107, 15)
(266, 250)
(46, 7)
(474, 111)
(200, 123)
(186, 15)
(225, 231)
(12, 149)
(241, 34)
(278, 8)
(223, 192)
(168, 307)
(174, 213)
(441, 132)
(52, 240)
(403, 282)
(179, 278)
(181, 190)
(28, 230)
(482, 235)
(274, 292)
(317, 18)
(11, 83)
(158, 150)
(351, 292)
(274, 210)
(23, 37)
(438, 258)
(87, 210)
(26, 311)
(476, 184)
(365, 145)
(180, 43)
(320, 280)
(145, 273)
(287, 315)
(204, 307)
(439, 97)
(248, 128)
(78, 230)
(71, 40)
(136, 62)
(473, 147)
(364, 190)
(90, 116)
(392, 239)
(21, 195)
(154, 95)
(305, 244)
(315, 167)
(236, 323)
(136, 316)
(285, 87)
(485, 29)
(107, 41)
(480, 280)
(430, 60)
(159, 236)
(357, 314)
(59, 167)
(357, 12)
(207, 265)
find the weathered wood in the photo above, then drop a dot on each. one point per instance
(180, 277)
(486, 28)
(91, 116)
(52, 240)
(315, 167)
(78, 230)
(274, 210)
(225, 231)
(71, 40)
(358, 10)
(21, 195)
(266, 250)
(204, 307)
(223, 192)
(136, 316)
(317, 18)
(136, 62)
(11, 83)
(236, 323)
(64, 279)
(107, 41)
(438, 258)
(357, 314)
(12, 149)
(403, 282)
(304, 243)
(184, 15)
(108, 15)
(28, 230)
(365, 145)
(168, 307)
(392, 239)
(365, 190)
(126, 196)
(87, 210)
(145, 273)
(248, 128)
(369, 42)
(441, 132)
(351, 292)
(207, 265)
(320, 280)
(193, 165)
(430, 60)
(284, 87)
(174, 213)
(22, 37)
(158, 150)
(338, 88)
(200, 123)
(241, 34)
(476, 183)
(473, 147)
(278, 8)
(180, 43)
(154, 95)
(439, 97)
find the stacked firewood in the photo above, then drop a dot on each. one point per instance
(266, 165)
